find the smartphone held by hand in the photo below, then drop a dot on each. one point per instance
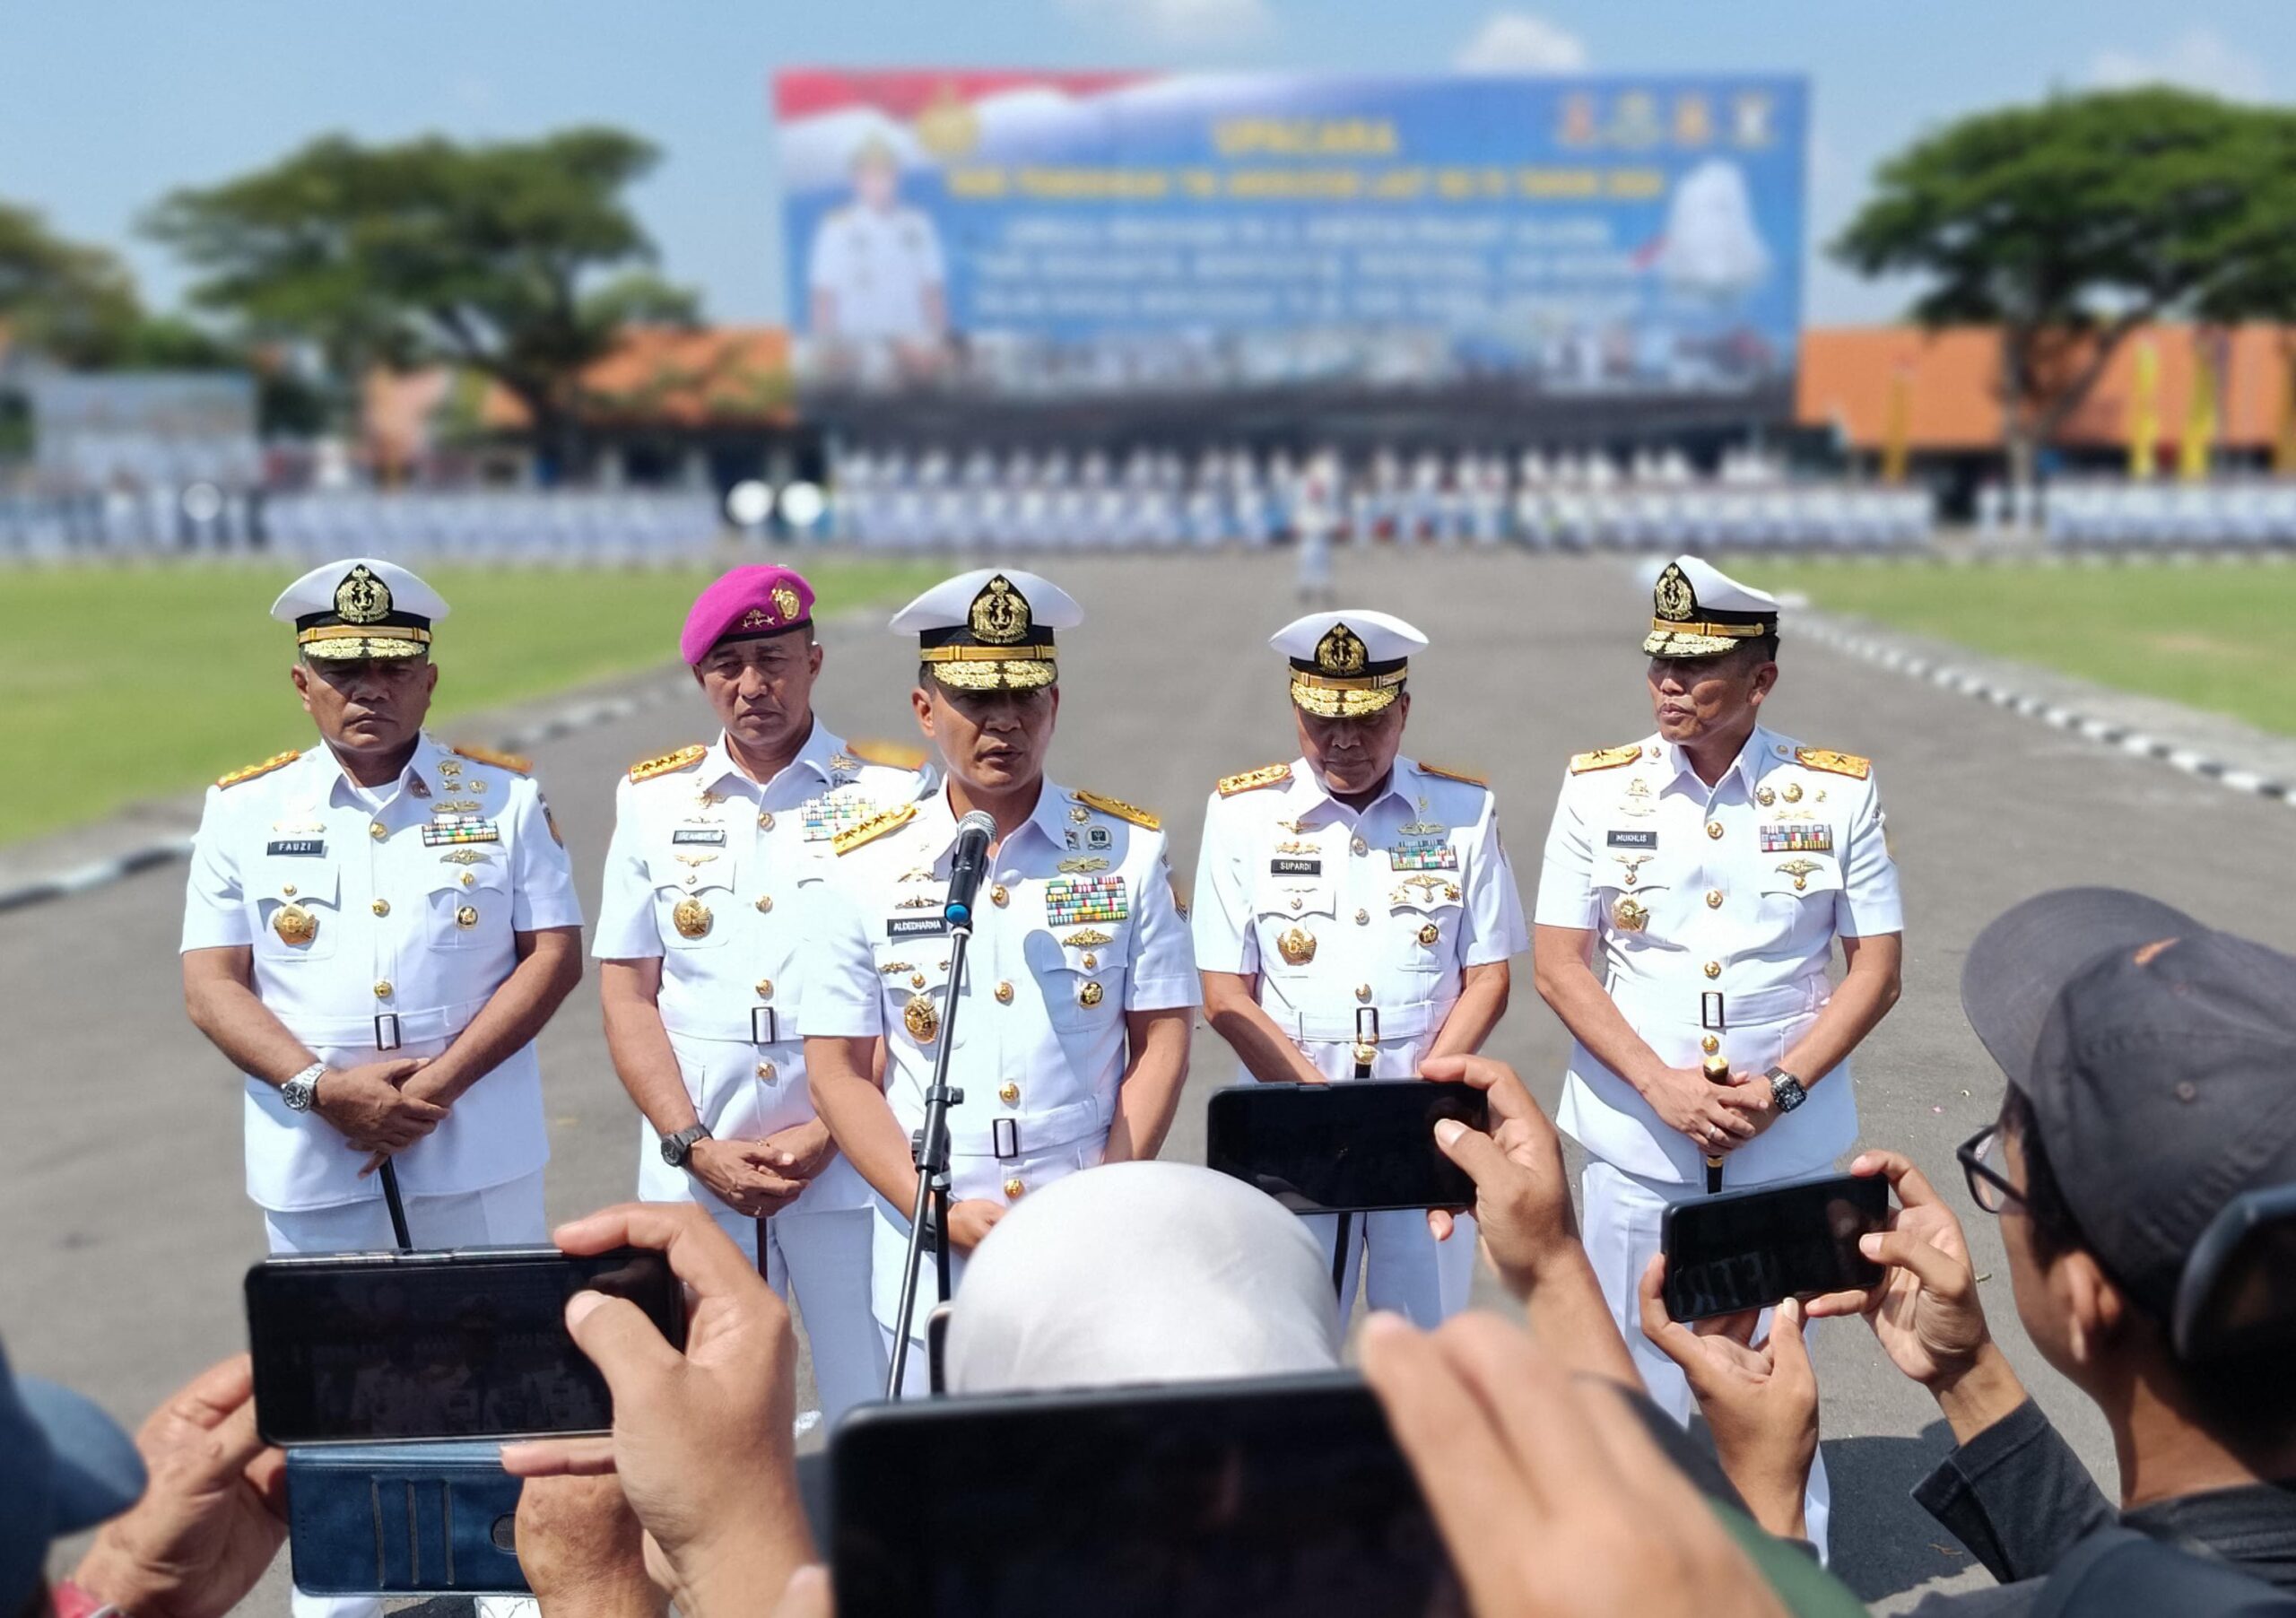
(403, 1347)
(1749, 1249)
(1349, 1148)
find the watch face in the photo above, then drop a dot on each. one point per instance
(673, 1150)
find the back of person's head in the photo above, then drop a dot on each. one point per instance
(2151, 1068)
(64, 1466)
(1141, 1272)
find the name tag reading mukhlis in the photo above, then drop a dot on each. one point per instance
(1634, 839)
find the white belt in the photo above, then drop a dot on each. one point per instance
(1369, 1024)
(1646, 1004)
(749, 1025)
(1018, 1134)
(409, 1027)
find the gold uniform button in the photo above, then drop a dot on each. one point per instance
(1362, 918)
(1714, 828)
(765, 988)
(764, 904)
(378, 830)
(288, 889)
(381, 906)
(1363, 992)
(382, 988)
(1013, 1190)
(1713, 899)
(1009, 1093)
(1090, 994)
(765, 821)
(1714, 969)
(1091, 962)
(917, 980)
(999, 897)
(1005, 993)
(468, 879)
(1710, 1044)
(467, 917)
(1360, 846)
(766, 1070)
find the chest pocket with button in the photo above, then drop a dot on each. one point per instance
(1798, 893)
(915, 973)
(1297, 919)
(1082, 982)
(469, 905)
(299, 915)
(1638, 895)
(694, 903)
(1424, 919)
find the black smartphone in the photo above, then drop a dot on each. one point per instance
(1350, 1147)
(403, 1519)
(389, 1347)
(1282, 1497)
(1747, 1249)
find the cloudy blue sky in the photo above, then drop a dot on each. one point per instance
(108, 103)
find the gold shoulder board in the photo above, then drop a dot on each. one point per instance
(517, 763)
(1832, 762)
(684, 758)
(892, 755)
(874, 828)
(1119, 808)
(1608, 758)
(1453, 775)
(277, 761)
(1266, 775)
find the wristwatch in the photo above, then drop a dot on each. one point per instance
(300, 1091)
(1785, 1090)
(676, 1148)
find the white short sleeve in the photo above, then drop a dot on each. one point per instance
(1566, 897)
(837, 973)
(1225, 936)
(627, 930)
(1494, 905)
(1163, 970)
(214, 900)
(1868, 902)
(542, 876)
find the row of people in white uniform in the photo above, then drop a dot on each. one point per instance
(376, 929)
(2120, 512)
(574, 525)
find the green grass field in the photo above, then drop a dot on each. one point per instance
(2211, 635)
(120, 685)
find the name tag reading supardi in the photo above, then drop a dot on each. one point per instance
(1295, 867)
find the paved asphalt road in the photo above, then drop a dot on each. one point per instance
(126, 1229)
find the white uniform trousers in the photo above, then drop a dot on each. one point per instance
(1406, 1269)
(1620, 1218)
(506, 1215)
(823, 1260)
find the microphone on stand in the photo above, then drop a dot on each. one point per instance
(967, 865)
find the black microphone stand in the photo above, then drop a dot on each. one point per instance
(931, 1145)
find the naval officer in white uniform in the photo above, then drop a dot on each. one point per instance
(375, 930)
(1071, 1025)
(1694, 885)
(699, 933)
(1354, 910)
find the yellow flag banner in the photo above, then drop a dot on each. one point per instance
(1897, 433)
(2200, 417)
(2144, 412)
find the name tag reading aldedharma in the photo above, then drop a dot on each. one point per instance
(916, 926)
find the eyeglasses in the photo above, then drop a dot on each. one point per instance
(1989, 1188)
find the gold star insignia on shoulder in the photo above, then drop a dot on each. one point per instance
(1452, 775)
(1119, 809)
(1606, 758)
(1266, 775)
(516, 763)
(890, 755)
(874, 828)
(1832, 762)
(684, 758)
(277, 761)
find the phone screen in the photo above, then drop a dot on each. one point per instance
(1347, 1147)
(1281, 1497)
(1747, 1249)
(381, 1347)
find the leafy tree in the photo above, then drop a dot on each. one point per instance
(74, 302)
(2070, 224)
(519, 260)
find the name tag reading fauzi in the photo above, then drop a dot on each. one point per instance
(714, 836)
(1634, 839)
(916, 926)
(1295, 867)
(297, 845)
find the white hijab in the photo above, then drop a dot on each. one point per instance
(1141, 1272)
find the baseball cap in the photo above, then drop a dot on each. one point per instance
(64, 1466)
(2158, 1055)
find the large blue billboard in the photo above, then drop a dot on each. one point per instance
(1032, 234)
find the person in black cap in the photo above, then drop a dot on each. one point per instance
(2151, 1118)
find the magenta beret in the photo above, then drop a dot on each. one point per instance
(746, 603)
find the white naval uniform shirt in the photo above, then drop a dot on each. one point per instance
(730, 999)
(1395, 900)
(1741, 889)
(877, 265)
(1074, 927)
(413, 900)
